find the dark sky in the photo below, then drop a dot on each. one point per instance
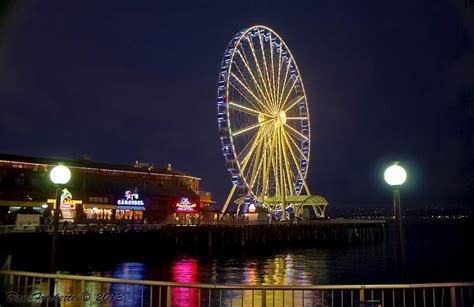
(136, 80)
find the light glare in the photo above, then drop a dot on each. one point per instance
(60, 174)
(395, 175)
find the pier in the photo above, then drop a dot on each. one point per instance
(159, 238)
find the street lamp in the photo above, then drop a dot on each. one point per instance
(395, 176)
(60, 176)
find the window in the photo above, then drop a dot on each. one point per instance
(98, 199)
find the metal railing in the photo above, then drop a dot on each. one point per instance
(79, 228)
(73, 290)
(111, 227)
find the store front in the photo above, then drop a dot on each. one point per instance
(186, 211)
(130, 207)
(99, 211)
(68, 206)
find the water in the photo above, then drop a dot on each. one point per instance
(433, 252)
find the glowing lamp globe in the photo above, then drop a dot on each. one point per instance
(395, 175)
(60, 174)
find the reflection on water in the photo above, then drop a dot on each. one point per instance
(426, 246)
(184, 271)
(280, 269)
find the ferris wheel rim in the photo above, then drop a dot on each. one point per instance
(234, 44)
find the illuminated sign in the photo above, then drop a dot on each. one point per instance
(131, 199)
(66, 197)
(252, 208)
(186, 206)
(66, 200)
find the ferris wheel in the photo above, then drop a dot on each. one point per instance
(263, 116)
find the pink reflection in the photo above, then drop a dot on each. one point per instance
(184, 271)
(250, 274)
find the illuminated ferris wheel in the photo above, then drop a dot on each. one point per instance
(263, 117)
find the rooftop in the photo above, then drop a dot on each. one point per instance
(144, 168)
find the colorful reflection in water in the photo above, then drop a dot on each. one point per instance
(185, 271)
(105, 294)
(281, 269)
(277, 270)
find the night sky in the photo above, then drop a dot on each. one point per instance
(121, 81)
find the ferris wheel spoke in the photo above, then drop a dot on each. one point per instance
(259, 175)
(243, 95)
(271, 76)
(279, 164)
(262, 79)
(275, 170)
(248, 90)
(287, 165)
(257, 164)
(236, 133)
(283, 102)
(249, 144)
(261, 168)
(293, 103)
(268, 169)
(280, 91)
(244, 109)
(253, 160)
(264, 58)
(254, 145)
(279, 70)
(273, 67)
(296, 145)
(259, 94)
(296, 118)
(243, 57)
(296, 132)
(260, 133)
(297, 164)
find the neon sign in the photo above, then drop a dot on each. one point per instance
(66, 196)
(131, 199)
(186, 206)
(66, 200)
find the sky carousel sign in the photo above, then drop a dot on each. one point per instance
(131, 201)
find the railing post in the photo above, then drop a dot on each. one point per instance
(264, 298)
(453, 296)
(168, 297)
(7, 264)
(361, 295)
(83, 289)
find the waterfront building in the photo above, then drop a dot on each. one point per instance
(98, 191)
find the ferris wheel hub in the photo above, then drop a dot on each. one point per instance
(281, 117)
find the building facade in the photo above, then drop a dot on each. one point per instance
(96, 191)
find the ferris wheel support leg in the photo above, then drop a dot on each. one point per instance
(229, 197)
(238, 209)
(315, 211)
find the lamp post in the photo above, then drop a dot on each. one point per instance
(395, 176)
(60, 176)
